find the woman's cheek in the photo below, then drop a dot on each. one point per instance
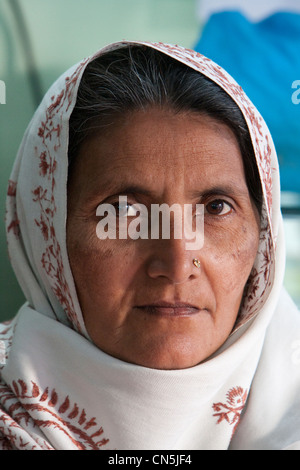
(232, 253)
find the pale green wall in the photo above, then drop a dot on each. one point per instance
(62, 33)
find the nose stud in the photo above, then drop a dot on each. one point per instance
(196, 263)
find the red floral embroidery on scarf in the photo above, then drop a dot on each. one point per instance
(44, 194)
(14, 223)
(232, 409)
(28, 407)
(6, 335)
(12, 188)
(13, 437)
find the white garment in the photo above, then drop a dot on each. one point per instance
(255, 10)
(59, 391)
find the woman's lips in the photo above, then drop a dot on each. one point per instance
(166, 309)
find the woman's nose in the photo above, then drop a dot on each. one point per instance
(172, 260)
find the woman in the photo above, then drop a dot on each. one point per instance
(139, 342)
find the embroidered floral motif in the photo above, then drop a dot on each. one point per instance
(232, 409)
(13, 437)
(6, 335)
(28, 407)
(44, 194)
(14, 223)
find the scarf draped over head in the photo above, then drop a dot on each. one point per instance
(59, 391)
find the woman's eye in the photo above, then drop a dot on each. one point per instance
(124, 209)
(218, 207)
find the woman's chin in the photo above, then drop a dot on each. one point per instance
(166, 357)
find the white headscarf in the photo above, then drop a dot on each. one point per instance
(59, 391)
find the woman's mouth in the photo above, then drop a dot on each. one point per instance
(167, 309)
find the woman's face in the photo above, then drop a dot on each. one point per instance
(143, 300)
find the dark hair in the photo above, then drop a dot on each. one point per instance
(137, 77)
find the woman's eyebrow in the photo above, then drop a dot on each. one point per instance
(224, 190)
(132, 189)
(113, 188)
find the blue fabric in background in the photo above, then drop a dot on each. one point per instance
(264, 58)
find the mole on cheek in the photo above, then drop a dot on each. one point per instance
(236, 254)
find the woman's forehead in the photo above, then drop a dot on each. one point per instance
(154, 149)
